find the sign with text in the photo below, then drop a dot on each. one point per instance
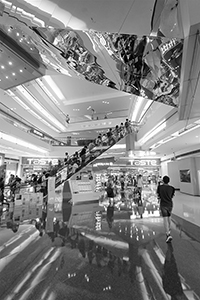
(145, 162)
(39, 161)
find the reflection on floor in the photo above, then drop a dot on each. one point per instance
(129, 261)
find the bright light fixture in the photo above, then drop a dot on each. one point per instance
(175, 135)
(20, 142)
(138, 104)
(148, 104)
(185, 131)
(153, 132)
(26, 107)
(44, 88)
(119, 146)
(54, 87)
(33, 101)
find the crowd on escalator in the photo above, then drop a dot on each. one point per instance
(70, 164)
(79, 159)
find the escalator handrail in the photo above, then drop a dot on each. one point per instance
(107, 140)
(82, 166)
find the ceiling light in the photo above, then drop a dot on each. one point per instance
(21, 70)
(148, 104)
(54, 87)
(20, 142)
(138, 104)
(10, 63)
(44, 88)
(2, 67)
(49, 125)
(13, 74)
(33, 101)
(119, 146)
(150, 134)
(10, 93)
(17, 34)
(6, 77)
(174, 135)
(185, 131)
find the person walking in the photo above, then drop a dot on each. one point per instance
(165, 194)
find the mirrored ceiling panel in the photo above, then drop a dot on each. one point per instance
(145, 66)
(148, 66)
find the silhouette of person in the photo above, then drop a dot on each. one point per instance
(170, 279)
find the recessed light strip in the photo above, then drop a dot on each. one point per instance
(20, 142)
(153, 132)
(54, 87)
(44, 88)
(144, 111)
(174, 136)
(26, 107)
(28, 96)
(138, 105)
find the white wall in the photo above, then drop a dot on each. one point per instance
(197, 164)
(192, 187)
(172, 169)
(173, 173)
(164, 168)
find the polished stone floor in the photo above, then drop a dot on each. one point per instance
(129, 261)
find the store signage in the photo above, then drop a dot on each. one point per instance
(103, 164)
(145, 162)
(39, 161)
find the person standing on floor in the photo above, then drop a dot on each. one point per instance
(165, 194)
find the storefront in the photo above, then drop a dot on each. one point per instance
(11, 166)
(148, 168)
(31, 165)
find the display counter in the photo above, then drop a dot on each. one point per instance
(80, 202)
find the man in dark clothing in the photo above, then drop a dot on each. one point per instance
(83, 154)
(1, 189)
(110, 214)
(165, 194)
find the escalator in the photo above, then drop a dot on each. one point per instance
(66, 172)
(58, 200)
(74, 199)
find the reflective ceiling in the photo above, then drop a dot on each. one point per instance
(90, 60)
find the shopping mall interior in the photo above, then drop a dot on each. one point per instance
(73, 122)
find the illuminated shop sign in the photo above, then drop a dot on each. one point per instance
(103, 164)
(39, 161)
(145, 162)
